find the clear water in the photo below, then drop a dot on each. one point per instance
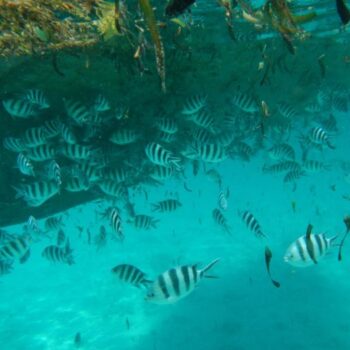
(43, 305)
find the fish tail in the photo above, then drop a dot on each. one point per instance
(208, 267)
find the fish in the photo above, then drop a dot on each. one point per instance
(33, 137)
(319, 136)
(37, 193)
(211, 152)
(194, 104)
(245, 102)
(25, 165)
(53, 223)
(124, 137)
(167, 125)
(167, 205)
(77, 184)
(204, 119)
(343, 11)
(287, 111)
(116, 223)
(101, 238)
(77, 112)
(32, 226)
(144, 222)
(41, 153)
(309, 249)
(37, 98)
(252, 223)
(6, 267)
(76, 151)
(112, 188)
(222, 200)
(158, 155)
(177, 283)
(57, 254)
(220, 219)
(268, 257)
(161, 173)
(215, 176)
(13, 144)
(347, 225)
(19, 108)
(101, 104)
(77, 340)
(67, 134)
(61, 238)
(16, 248)
(282, 152)
(53, 171)
(51, 128)
(131, 275)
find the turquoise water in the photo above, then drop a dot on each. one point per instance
(43, 305)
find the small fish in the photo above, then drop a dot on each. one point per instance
(211, 152)
(268, 257)
(252, 224)
(16, 248)
(158, 155)
(37, 98)
(61, 238)
(194, 104)
(41, 153)
(54, 172)
(101, 238)
(77, 340)
(176, 283)
(245, 102)
(19, 108)
(25, 165)
(167, 205)
(220, 219)
(347, 225)
(144, 222)
(131, 275)
(116, 222)
(308, 249)
(77, 111)
(124, 136)
(55, 254)
(214, 175)
(32, 225)
(222, 200)
(53, 223)
(101, 104)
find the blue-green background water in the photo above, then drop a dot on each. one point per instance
(43, 305)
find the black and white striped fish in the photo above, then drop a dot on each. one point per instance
(75, 151)
(16, 248)
(319, 136)
(38, 192)
(222, 200)
(211, 152)
(194, 104)
(52, 128)
(144, 222)
(24, 165)
(31, 226)
(308, 249)
(37, 98)
(167, 125)
(124, 136)
(166, 137)
(57, 254)
(34, 137)
(116, 222)
(245, 102)
(53, 172)
(281, 152)
(112, 188)
(67, 134)
(101, 104)
(203, 119)
(41, 153)
(13, 144)
(158, 155)
(314, 166)
(77, 111)
(287, 111)
(61, 238)
(177, 283)
(252, 223)
(117, 174)
(54, 223)
(77, 184)
(131, 275)
(19, 108)
(167, 205)
(220, 219)
(161, 173)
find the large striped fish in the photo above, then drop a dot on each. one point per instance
(176, 283)
(308, 249)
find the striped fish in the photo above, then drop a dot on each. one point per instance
(61, 238)
(167, 205)
(314, 166)
(53, 223)
(131, 275)
(203, 119)
(77, 111)
(161, 173)
(51, 128)
(37, 193)
(319, 136)
(202, 136)
(13, 144)
(5, 267)
(34, 137)
(112, 188)
(116, 174)
(222, 200)
(75, 151)
(101, 104)
(37, 98)
(24, 165)
(116, 222)
(282, 167)
(194, 104)
(166, 137)
(252, 223)
(287, 111)
(17, 248)
(67, 134)
(167, 125)
(53, 172)
(57, 254)
(282, 151)
(220, 219)
(77, 184)
(308, 249)
(211, 152)
(41, 153)
(124, 137)
(245, 102)
(19, 108)
(177, 283)
(144, 222)
(160, 156)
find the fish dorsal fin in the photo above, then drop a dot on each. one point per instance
(308, 231)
